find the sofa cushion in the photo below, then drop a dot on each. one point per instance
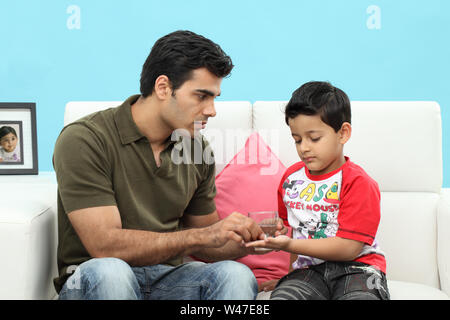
(400, 290)
(28, 237)
(249, 183)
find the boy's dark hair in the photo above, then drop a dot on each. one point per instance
(6, 130)
(317, 97)
(177, 54)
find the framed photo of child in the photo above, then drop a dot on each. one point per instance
(18, 141)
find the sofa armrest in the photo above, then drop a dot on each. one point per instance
(443, 239)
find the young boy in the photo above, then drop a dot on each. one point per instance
(332, 205)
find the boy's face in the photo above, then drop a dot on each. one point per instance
(318, 145)
(9, 142)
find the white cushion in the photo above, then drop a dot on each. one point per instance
(28, 237)
(268, 121)
(443, 238)
(407, 235)
(400, 290)
(398, 144)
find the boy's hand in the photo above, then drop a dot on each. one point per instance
(278, 243)
(281, 228)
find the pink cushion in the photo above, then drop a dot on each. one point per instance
(249, 183)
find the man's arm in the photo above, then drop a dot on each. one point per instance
(100, 230)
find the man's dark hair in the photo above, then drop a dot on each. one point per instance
(317, 97)
(177, 54)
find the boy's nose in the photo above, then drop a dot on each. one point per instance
(304, 147)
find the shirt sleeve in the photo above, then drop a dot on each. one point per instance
(282, 212)
(359, 211)
(83, 173)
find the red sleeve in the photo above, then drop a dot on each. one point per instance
(359, 211)
(282, 212)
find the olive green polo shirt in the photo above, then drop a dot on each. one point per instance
(104, 160)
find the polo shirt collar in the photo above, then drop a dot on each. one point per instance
(128, 131)
(127, 128)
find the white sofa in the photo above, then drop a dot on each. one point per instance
(398, 143)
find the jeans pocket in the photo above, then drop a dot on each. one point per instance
(366, 281)
(382, 288)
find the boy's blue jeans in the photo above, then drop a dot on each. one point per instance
(111, 278)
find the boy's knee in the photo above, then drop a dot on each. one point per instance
(296, 290)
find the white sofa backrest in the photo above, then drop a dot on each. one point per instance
(391, 140)
(78, 109)
(228, 130)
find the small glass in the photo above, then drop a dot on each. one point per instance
(267, 220)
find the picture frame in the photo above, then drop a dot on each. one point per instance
(18, 138)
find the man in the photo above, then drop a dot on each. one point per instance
(122, 199)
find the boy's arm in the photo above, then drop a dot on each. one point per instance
(330, 249)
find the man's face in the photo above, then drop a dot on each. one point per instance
(193, 103)
(9, 142)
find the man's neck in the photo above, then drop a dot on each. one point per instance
(146, 114)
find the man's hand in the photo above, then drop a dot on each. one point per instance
(236, 227)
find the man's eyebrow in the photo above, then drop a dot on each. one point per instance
(207, 92)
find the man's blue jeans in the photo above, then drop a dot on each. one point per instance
(111, 278)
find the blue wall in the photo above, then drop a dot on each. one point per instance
(52, 52)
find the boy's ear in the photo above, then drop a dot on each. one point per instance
(345, 133)
(163, 88)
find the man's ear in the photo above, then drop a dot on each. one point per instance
(163, 87)
(345, 133)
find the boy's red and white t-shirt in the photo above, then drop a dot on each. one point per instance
(344, 203)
